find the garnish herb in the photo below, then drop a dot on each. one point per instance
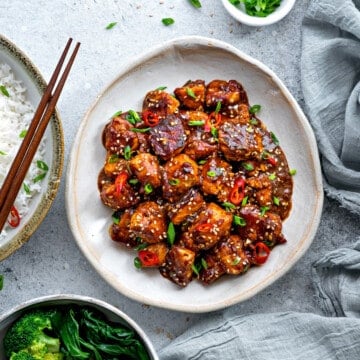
(1, 282)
(171, 233)
(133, 181)
(148, 189)
(141, 246)
(137, 263)
(118, 113)
(244, 201)
(211, 173)
(127, 152)
(196, 268)
(248, 166)
(196, 122)
(276, 201)
(133, 117)
(161, 88)
(26, 189)
(111, 25)
(214, 132)
(174, 182)
(236, 261)
(255, 109)
(167, 21)
(39, 177)
(228, 205)
(239, 221)
(263, 210)
(195, 3)
(218, 107)
(4, 91)
(274, 138)
(22, 134)
(292, 172)
(42, 165)
(143, 130)
(3, 152)
(253, 121)
(202, 162)
(272, 176)
(191, 93)
(113, 158)
(259, 8)
(204, 263)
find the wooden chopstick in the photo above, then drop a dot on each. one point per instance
(35, 133)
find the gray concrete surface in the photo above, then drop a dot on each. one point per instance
(50, 262)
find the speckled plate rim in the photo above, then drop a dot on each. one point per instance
(64, 299)
(317, 194)
(56, 168)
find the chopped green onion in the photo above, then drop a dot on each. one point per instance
(167, 21)
(196, 268)
(228, 205)
(39, 177)
(141, 246)
(274, 138)
(110, 25)
(161, 88)
(214, 132)
(116, 217)
(263, 210)
(26, 189)
(218, 107)
(292, 172)
(42, 165)
(133, 181)
(236, 261)
(202, 162)
(253, 121)
(3, 152)
(254, 109)
(140, 130)
(195, 3)
(118, 113)
(127, 152)
(148, 189)
(204, 263)
(191, 93)
(250, 129)
(211, 173)
(276, 201)
(248, 166)
(1, 282)
(3, 89)
(239, 221)
(196, 122)
(113, 158)
(133, 117)
(137, 263)
(244, 201)
(22, 134)
(272, 176)
(174, 182)
(171, 233)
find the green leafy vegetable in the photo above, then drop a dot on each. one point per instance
(1, 282)
(259, 8)
(4, 91)
(255, 109)
(167, 21)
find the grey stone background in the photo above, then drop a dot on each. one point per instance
(50, 262)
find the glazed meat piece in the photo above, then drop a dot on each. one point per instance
(148, 222)
(160, 102)
(146, 168)
(216, 176)
(120, 232)
(180, 174)
(117, 135)
(186, 207)
(239, 142)
(117, 193)
(260, 225)
(229, 93)
(239, 114)
(191, 95)
(179, 265)
(210, 225)
(168, 138)
(261, 187)
(226, 257)
(153, 255)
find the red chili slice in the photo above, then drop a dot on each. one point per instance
(150, 118)
(205, 227)
(216, 117)
(238, 191)
(14, 217)
(148, 258)
(271, 161)
(120, 182)
(261, 253)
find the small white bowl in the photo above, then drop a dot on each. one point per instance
(239, 13)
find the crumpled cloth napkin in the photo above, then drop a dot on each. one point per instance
(288, 335)
(330, 74)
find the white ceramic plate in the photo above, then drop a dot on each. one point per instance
(171, 65)
(25, 71)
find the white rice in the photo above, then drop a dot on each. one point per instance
(16, 113)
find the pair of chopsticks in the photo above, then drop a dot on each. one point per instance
(32, 139)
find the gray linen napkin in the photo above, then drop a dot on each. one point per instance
(330, 70)
(289, 335)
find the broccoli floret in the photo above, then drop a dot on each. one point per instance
(30, 334)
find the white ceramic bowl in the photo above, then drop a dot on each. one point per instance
(111, 313)
(173, 64)
(238, 12)
(31, 78)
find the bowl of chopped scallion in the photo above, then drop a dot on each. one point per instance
(258, 12)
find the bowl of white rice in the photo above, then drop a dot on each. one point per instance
(21, 88)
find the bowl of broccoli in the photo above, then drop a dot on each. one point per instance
(63, 327)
